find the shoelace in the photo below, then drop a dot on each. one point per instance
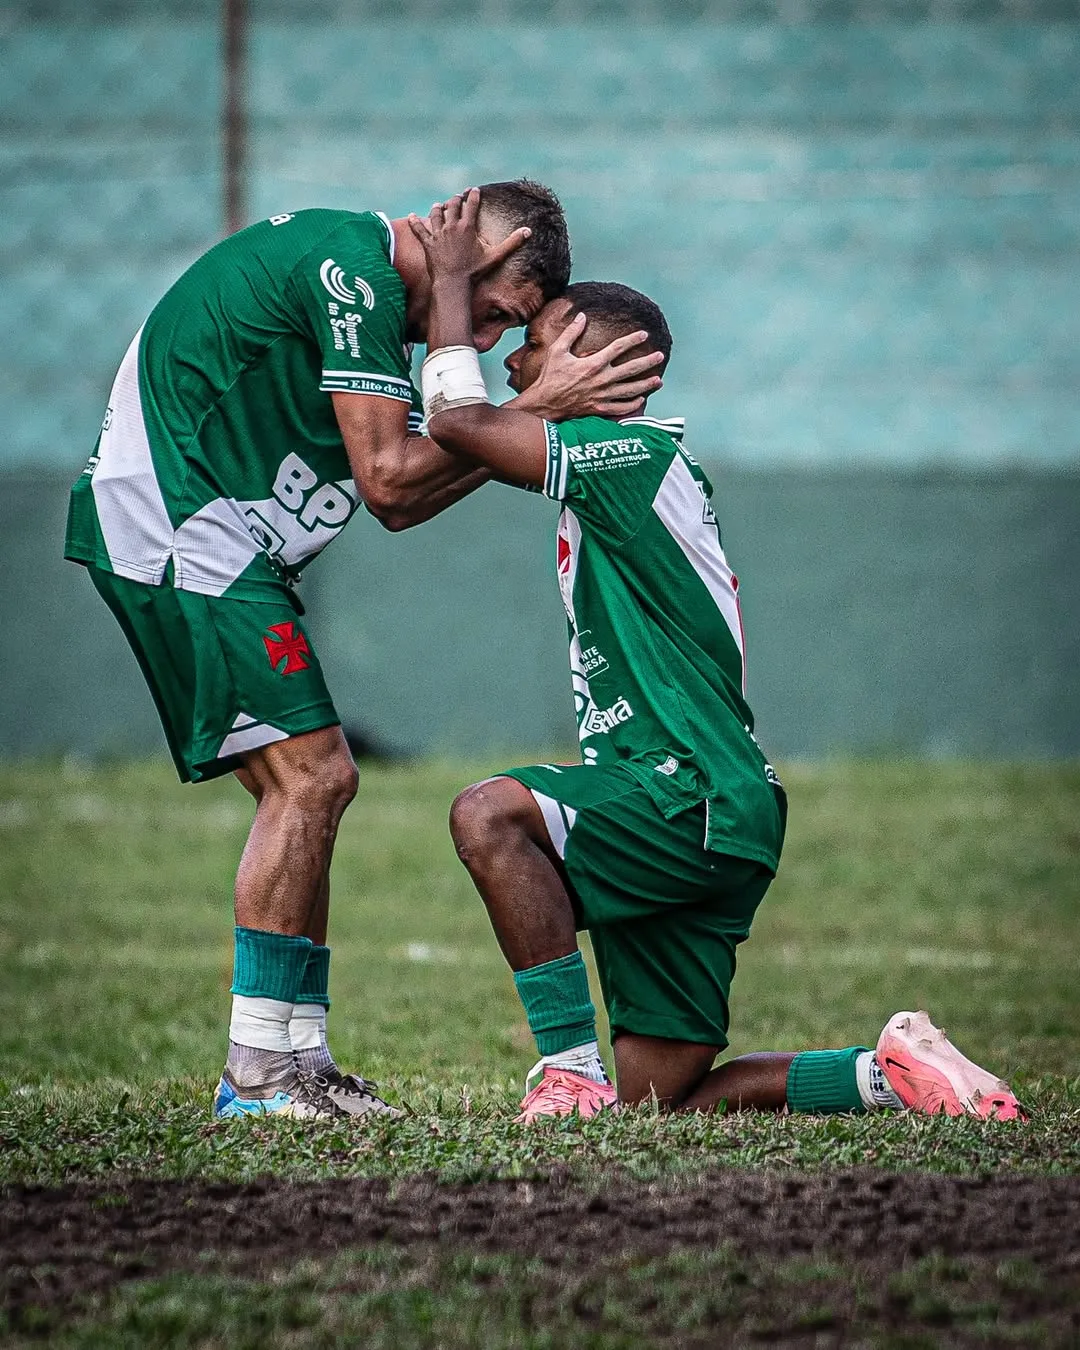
(355, 1085)
(313, 1089)
(352, 1085)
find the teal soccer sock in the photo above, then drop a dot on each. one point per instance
(557, 1003)
(824, 1082)
(315, 985)
(269, 965)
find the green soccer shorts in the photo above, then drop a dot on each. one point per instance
(664, 915)
(227, 676)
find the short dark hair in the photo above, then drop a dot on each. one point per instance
(545, 255)
(619, 309)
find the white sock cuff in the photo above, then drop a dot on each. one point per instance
(584, 1059)
(862, 1079)
(874, 1087)
(262, 1023)
(307, 1026)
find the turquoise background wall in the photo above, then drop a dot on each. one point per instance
(864, 229)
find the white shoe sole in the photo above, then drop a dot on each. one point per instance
(928, 1073)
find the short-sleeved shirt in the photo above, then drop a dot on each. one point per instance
(656, 635)
(220, 464)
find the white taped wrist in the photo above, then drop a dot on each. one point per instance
(450, 378)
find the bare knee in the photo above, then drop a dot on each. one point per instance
(313, 773)
(482, 816)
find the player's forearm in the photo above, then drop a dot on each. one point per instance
(436, 500)
(511, 443)
(414, 481)
(450, 315)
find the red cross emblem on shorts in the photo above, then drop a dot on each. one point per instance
(283, 642)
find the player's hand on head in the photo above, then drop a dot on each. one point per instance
(452, 243)
(606, 383)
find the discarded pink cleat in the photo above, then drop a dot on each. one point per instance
(561, 1092)
(928, 1073)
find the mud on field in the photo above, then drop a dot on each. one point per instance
(60, 1246)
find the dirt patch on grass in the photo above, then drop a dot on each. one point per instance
(1017, 1240)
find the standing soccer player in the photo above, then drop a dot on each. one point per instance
(267, 395)
(664, 841)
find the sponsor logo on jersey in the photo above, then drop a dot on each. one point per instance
(771, 775)
(593, 661)
(284, 643)
(345, 328)
(333, 278)
(600, 721)
(302, 515)
(616, 454)
(283, 219)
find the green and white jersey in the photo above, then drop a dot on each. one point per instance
(656, 636)
(220, 454)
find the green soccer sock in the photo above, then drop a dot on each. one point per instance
(557, 1003)
(269, 965)
(315, 985)
(824, 1082)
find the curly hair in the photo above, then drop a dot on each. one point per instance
(614, 309)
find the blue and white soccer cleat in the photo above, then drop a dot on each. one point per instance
(298, 1097)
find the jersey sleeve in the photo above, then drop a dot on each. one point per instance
(606, 472)
(353, 301)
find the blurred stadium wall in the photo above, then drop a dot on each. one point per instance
(864, 229)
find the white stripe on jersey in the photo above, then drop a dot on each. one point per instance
(131, 511)
(368, 375)
(390, 232)
(567, 550)
(674, 426)
(558, 464)
(682, 507)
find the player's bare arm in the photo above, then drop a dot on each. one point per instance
(511, 440)
(402, 479)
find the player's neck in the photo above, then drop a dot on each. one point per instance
(411, 266)
(409, 261)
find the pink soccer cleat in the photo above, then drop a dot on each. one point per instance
(561, 1092)
(928, 1073)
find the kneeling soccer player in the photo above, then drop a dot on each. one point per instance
(663, 842)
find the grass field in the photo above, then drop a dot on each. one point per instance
(950, 887)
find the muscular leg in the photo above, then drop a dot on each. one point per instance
(500, 836)
(320, 913)
(302, 786)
